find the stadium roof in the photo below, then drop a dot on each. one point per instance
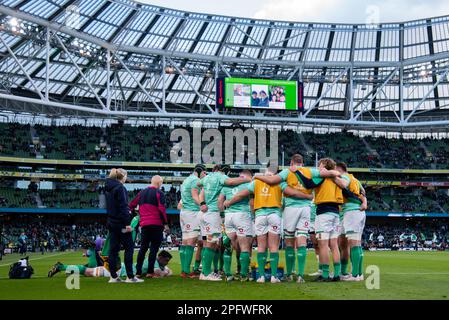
(127, 59)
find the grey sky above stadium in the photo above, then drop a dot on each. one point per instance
(348, 11)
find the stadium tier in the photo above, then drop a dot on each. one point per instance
(149, 144)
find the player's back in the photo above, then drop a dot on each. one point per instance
(328, 192)
(186, 193)
(230, 192)
(212, 184)
(267, 196)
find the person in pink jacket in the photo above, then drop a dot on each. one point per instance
(153, 220)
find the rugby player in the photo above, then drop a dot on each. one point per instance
(210, 220)
(296, 215)
(267, 206)
(328, 198)
(189, 218)
(354, 217)
(161, 268)
(199, 249)
(238, 225)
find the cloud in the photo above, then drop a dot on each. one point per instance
(352, 11)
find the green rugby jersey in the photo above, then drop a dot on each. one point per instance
(186, 193)
(241, 206)
(212, 184)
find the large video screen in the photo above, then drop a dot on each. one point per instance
(259, 94)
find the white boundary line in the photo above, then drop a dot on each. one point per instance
(40, 258)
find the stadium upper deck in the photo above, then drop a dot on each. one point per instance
(124, 59)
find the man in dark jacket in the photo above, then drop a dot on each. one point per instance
(153, 218)
(119, 220)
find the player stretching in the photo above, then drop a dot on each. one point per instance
(353, 209)
(296, 217)
(328, 198)
(189, 218)
(267, 206)
(160, 268)
(238, 226)
(210, 220)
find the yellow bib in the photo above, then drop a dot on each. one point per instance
(266, 196)
(293, 182)
(328, 191)
(354, 186)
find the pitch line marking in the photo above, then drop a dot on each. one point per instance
(40, 258)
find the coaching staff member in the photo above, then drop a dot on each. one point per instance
(119, 219)
(153, 218)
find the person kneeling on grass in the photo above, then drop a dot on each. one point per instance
(161, 268)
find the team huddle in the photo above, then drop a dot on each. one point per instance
(221, 215)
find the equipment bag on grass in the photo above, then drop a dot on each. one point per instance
(21, 270)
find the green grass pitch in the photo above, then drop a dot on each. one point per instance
(403, 275)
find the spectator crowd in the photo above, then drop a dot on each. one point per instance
(120, 142)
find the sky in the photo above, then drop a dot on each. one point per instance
(338, 11)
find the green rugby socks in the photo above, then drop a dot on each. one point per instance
(208, 256)
(274, 262)
(361, 255)
(325, 268)
(221, 260)
(244, 261)
(182, 258)
(302, 255)
(215, 259)
(261, 260)
(227, 260)
(356, 260)
(188, 255)
(337, 269)
(289, 260)
(344, 266)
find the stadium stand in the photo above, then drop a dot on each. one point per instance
(15, 140)
(127, 143)
(16, 198)
(73, 199)
(58, 142)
